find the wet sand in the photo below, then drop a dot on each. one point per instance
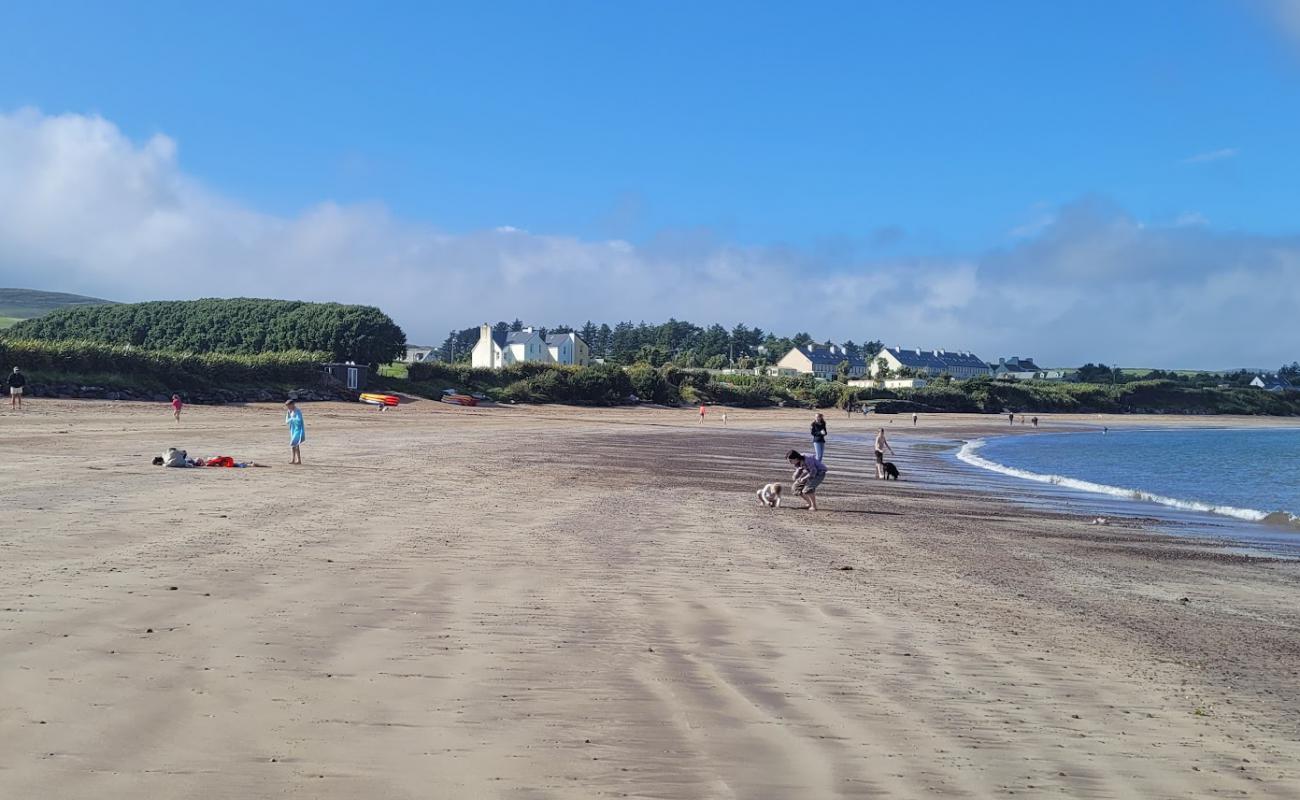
(555, 603)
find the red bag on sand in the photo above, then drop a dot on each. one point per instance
(221, 461)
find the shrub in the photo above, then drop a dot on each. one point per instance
(176, 369)
(236, 326)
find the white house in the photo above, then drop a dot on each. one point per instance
(1024, 369)
(960, 364)
(495, 350)
(892, 383)
(819, 360)
(416, 354)
(1271, 383)
(568, 348)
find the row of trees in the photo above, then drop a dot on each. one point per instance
(689, 346)
(233, 326)
(1100, 373)
(681, 344)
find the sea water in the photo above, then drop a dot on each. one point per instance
(1251, 475)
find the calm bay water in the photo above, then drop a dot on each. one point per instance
(1248, 475)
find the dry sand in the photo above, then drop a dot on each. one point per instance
(556, 603)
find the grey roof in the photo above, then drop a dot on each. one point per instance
(820, 354)
(936, 360)
(1018, 364)
(503, 339)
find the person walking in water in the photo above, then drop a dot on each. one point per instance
(16, 381)
(809, 472)
(297, 432)
(819, 437)
(177, 405)
(881, 447)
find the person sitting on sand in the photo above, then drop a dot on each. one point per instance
(809, 473)
(297, 431)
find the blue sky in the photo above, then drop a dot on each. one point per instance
(825, 143)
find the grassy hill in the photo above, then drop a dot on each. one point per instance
(20, 304)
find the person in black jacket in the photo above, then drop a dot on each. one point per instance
(819, 436)
(16, 383)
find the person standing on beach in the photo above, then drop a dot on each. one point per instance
(177, 405)
(702, 410)
(1011, 419)
(1034, 421)
(17, 380)
(809, 472)
(881, 447)
(913, 419)
(819, 436)
(297, 431)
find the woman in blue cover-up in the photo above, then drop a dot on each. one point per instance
(297, 432)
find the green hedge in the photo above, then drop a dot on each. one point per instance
(463, 376)
(238, 326)
(669, 385)
(1157, 397)
(176, 369)
(582, 386)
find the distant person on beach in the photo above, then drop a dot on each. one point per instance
(702, 410)
(809, 472)
(724, 419)
(297, 432)
(1011, 419)
(16, 383)
(881, 447)
(913, 419)
(177, 405)
(1034, 421)
(819, 436)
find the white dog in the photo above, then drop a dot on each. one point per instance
(770, 495)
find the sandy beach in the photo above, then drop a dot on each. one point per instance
(573, 603)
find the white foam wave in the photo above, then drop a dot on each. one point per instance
(969, 454)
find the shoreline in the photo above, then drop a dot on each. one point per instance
(1269, 534)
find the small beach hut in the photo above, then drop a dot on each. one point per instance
(353, 376)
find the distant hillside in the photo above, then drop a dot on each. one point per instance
(16, 304)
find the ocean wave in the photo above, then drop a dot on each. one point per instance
(970, 455)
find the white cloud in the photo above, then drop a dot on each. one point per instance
(84, 209)
(1210, 156)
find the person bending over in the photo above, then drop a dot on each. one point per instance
(809, 472)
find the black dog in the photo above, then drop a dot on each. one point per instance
(891, 471)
